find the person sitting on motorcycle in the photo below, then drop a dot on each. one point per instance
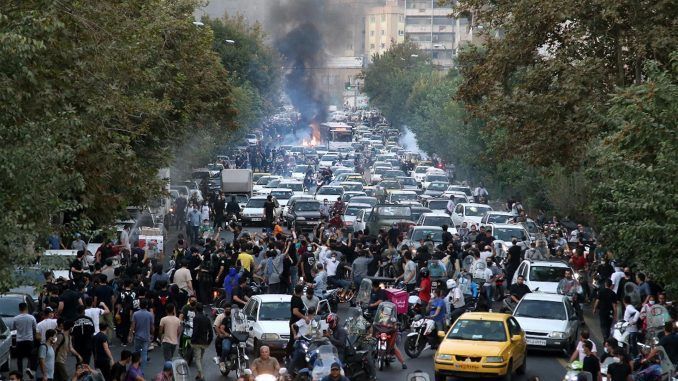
(339, 206)
(424, 286)
(222, 327)
(337, 335)
(669, 342)
(455, 297)
(378, 295)
(519, 289)
(232, 208)
(578, 261)
(388, 325)
(438, 309)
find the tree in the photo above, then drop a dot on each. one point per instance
(97, 95)
(635, 174)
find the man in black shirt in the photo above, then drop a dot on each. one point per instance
(669, 342)
(519, 289)
(378, 295)
(607, 304)
(119, 369)
(241, 293)
(591, 362)
(82, 333)
(297, 312)
(219, 207)
(513, 259)
(69, 302)
(447, 237)
(269, 208)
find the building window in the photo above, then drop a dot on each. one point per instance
(383, 18)
(383, 32)
(371, 46)
(383, 45)
(372, 19)
(371, 33)
(400, 33)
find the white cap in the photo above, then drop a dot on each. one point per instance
(451, 283)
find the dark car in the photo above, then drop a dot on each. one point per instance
(304, 214)
(383, 216)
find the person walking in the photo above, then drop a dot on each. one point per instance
(103, 358)
(82, 333)
(25, 326)
(135, 372)
(606, 305)
(63, 347)
(141, 330)
(46, 357)
(201, 338)
(170, 328)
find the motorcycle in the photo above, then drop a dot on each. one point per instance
(384, 328)
(621, 334)
(359, 359)
(575, 373)
(237, 360)
(423, 334)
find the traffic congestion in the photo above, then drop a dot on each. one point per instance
(347, 256)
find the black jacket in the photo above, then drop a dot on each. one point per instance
(202, 330)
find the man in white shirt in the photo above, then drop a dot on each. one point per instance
(49, 322)
(616, 278)
(631, 316)
(450, 205)
(486, 253)
(183, 278)
(578, 353)
(95, 313)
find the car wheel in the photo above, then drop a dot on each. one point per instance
(440, 377)
(523, 366)
(509, 372)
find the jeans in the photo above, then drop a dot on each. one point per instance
(141, 345)
(198, 353)
(605, 324)
(168, 351)
(488, 293)
(334, 281)
(633, 343)
(225, 348)
(23, 351)
(294, 274)
(195, 234)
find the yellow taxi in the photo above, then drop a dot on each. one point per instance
(481, 344)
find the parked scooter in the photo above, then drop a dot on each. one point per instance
(423, 335)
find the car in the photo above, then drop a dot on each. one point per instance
(497, 217)
(348, 195)
(9, 309)
(436, 219)
(418, 210)
(371, 201)
(481, 344)
(355, 216)
(549, 320)
(282, 195)
(376, 174)
(252, 139)
(419, 172)
(434, 177)
(470, 213)
(331, 193)
(253, 212)
(542, 276)
(436, 204)
(351, 186)
(401, 196)
(5, 346)
(426, 233)
(299, 172)
(304, 214)
(388, 185)
(534, 230)
(258, 175)
(503, 235)
(259, 184)
(383, 216)
(393, 174)
(461, 188)
(435, 189)
(459, 197)
(408, 183)
(297, 187)
(268, 316)
(327, 160)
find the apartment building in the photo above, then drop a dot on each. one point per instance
(384, 26)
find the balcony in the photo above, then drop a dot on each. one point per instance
(427, 12)
(421, 28)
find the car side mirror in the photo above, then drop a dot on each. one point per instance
(441, 335)
(516, 338)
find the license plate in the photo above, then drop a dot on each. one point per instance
(540, 342)
(256, 219)
(466, 365)
(382, 345)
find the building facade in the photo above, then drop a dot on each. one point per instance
(384, 26)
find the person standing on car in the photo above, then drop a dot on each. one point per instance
(269, 211)
(232, 208)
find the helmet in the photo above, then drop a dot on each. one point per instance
(332, 320)
(451, 283)
(424, 272)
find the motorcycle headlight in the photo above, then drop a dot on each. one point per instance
(494, 359)
(270, 336)
(557, 335)
(576, 276)
(444, 356)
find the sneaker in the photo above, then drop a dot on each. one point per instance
(222, 367)
(404, 366)
(30, 373)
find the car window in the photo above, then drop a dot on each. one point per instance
(478, 330)
(435, 235)
(476, 211)
(547, 274)
(278, 311)
(458, 209)
(541, 309)
(3, 327)
(507, 234)
(9, 306)
(514, 327)
(570, 310)
(255, 203)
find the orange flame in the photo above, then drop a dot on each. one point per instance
(315, 131)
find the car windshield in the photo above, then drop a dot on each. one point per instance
(436, 178)
(273, 183)
(307, 206)
(353, 187)
(403, 197)
(437, 221)
(478, 330)
(255, 203)
(352, 211)
(460, 189)
(420, 170)
(380, 170)
(390, 185)
(437, 187)
(438, 204)
(241, 198)
(531, 227)
(281, 195)
(371, 201)
(300, 169)
(419, 234)
(477, 211)
(330, 190)
(507, 234)
(9, 307)
(393, 174)
(541, 309)
(546, 273)
(264, 180)
(394, 211)
(498, 218)
(408, 181)
(297, 187)
(279, 311)
(330, 158)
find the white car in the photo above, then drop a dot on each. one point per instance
(549, 320)
(252, 139)
(259, 186)
(297, 187)
(401, 196)
(434, 177)
(268, 316)
(253, 212)
(470, 213)
(331, 193)
(419, 172)
(542, 276)
(504, 233)
(327, 160)
(299, 172)
(355, 216)
(437, 219)
(377, 174)
(497, 217)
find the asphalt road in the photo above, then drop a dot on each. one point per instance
(548, 366)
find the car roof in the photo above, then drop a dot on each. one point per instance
(357, 205)
(426, 227)
(403, 192)
(491, 316)
(260, 196)
(281, 190)
(544, 297)
(508, 226)
(474, 204)
(272, 298)
(547, 263)
(499, 213)
(435, 213)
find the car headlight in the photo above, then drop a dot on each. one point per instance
(301, 218)
(494, 359)
(557, 335)
(444, 356)
(270, 336)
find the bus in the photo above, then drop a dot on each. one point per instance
(336, 135)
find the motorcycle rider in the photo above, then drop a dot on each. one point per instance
(222, 327)
(337, 335)
(669, 342)
(438, 310)
(570, 287)
(424, 286)
(455, 298)
(377, 296)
